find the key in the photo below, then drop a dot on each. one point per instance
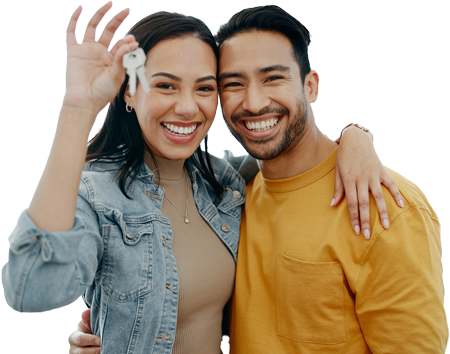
(134, 62)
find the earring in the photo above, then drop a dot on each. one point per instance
(129, 109)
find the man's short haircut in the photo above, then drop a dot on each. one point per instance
(270, 18)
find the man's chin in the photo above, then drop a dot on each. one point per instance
(263, 150)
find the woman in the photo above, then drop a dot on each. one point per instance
(146, 268)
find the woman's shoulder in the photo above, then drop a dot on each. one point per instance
(226, 174)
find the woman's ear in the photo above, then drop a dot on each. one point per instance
(127, 97)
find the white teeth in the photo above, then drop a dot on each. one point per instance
(179, 131)
(262, 126)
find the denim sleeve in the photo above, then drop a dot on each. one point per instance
(47, 270)
(245, 165)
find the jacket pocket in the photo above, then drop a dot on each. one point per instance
(310, 301)
(127, 259)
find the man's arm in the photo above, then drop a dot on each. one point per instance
(82, 341)
(400, 293)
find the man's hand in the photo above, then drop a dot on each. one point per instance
(358, 172)
(82, 341)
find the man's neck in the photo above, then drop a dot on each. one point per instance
(311, 150)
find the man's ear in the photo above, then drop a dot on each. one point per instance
(312, 86)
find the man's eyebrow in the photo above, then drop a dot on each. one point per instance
(170, 76)
(224, 76)
(275, 68)
(206, 78)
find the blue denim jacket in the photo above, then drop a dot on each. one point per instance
(119, 255)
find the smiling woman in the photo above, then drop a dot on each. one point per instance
(178, 112)
(137, 260)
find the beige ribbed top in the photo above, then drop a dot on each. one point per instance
(206, 268)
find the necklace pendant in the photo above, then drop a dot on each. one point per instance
(186, 220)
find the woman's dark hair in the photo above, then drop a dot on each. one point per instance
(270, 18)
(120, 139)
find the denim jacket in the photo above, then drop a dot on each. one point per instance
(118, 255)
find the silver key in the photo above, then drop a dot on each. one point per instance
(134, 62)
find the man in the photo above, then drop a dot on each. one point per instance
(304, 284)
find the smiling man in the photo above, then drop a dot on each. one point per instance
(303, 283)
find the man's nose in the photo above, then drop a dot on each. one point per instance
(255, 99)
(186, 106)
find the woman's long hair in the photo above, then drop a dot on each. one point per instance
(120, 139)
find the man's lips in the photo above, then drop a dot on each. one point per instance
(260, 123)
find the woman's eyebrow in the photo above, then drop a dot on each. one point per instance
(206, 78)
(170, 76)
(176, 78)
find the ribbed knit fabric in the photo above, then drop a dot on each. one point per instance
(205, 266)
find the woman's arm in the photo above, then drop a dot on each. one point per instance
(94, 76)
(358, 172)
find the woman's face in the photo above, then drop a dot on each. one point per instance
(177, 113)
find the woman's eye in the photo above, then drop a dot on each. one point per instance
(206, 88)
(165, 86)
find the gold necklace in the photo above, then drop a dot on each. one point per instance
(186, 220)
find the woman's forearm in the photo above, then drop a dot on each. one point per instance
(54, 202)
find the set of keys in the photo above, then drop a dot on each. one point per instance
(134, 62)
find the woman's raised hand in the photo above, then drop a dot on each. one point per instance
(94, 74)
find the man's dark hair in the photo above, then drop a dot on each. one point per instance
(270, 18)
(120, 139)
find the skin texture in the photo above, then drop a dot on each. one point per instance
(177, 96)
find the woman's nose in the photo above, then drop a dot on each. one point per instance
(186, 106)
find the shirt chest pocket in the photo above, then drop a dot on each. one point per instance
(127, 258)
(310, 301)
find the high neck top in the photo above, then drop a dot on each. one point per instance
(206, 268)
(171, 170)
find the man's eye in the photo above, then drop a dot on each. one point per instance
(232, 84)
(273, 78)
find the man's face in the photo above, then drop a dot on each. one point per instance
(261, 93)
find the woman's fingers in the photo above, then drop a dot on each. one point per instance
(117, 69)
(338, 188)
(353, 208)
(363, 208)
(389, 183)
(112, 26)
(71, 39)
(95, 20)
(377, 193)
(128, 39)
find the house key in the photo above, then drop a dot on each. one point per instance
(134, 62)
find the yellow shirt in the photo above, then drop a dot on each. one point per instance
(305, 283)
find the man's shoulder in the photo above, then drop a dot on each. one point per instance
(412, 196)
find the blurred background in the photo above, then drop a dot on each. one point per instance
(383, 64)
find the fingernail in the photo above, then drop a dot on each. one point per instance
(385, 223)
(98, 341)
(128, 36)
(366, 234)
(401, 203)
(332, 202)
(357, 231)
